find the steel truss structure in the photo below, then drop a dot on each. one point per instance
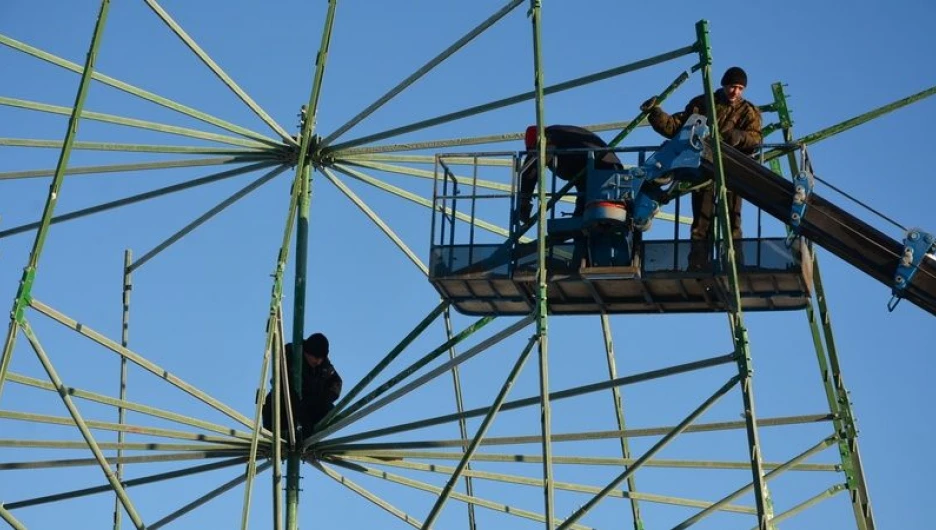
(339, 447)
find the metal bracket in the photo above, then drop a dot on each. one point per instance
(803, 184)
(917, 244)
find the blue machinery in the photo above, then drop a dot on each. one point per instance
(599, 263)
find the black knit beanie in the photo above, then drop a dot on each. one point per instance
(316, 345)
(734, 76)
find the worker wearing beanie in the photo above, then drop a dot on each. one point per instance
(739, 124)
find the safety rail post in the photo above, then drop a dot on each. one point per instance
(735, 313)
(843, 418)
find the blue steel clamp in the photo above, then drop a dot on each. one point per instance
(917, 244)
(803, 184)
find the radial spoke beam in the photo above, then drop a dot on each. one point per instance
(519, 98)
(526, 402)
(218, 71)
(587, 435)
(351, 485)
(415, 76)
(141, 362)
(131, 168)
(126, 460)
(353, 414)
(132, 122)
(582, 460)
(10, 520)
(129, 405)
(90, 442)
(578, 514)
(399, 192)
(130, 89)
(118, 427)
(204, 499)
(353, 197)
(479, 435)
(202, 219)
(380, 366)
(535, 482)
(84, 492)
(477, 501)
(134, 148)
(470, 140)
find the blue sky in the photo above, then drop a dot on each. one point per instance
(198, 309)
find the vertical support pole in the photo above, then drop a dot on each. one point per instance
(121, 412)
(619, 410)
(541, 276)
(843, 418)
(462, 422)
(24, 293)
(304, 176)
(277, 398)
(735, 314)
(294, 459)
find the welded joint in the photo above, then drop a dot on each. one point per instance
(23, 295)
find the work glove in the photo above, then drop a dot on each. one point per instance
(648, 105)
(524, 212)
(733, 137)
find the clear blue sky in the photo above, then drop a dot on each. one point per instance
(198, 310)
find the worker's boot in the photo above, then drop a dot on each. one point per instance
(699, 256)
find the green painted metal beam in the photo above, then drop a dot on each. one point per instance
(235, 449)
(389, 358)
(139, 148)
(619, 415)
(118, 427)
(589, 435)
(77, 214)
(735, 313)
(141, 362)
(460, 408)
(204, 499)
(131, 168)
(132, 122)
(384, 227)
(841, 127)
(588, 460)
(151, 479)
(122, 387)
(126, 460)
(775, 472)
(469, 140)
(479, 434)
(213, 211)
(353, 486)
(657, 447)
(477, 501)
(90, 442)
(423, 70)
(358, 411)
(10, 520)
(519, 98)
(808, 503)
(565, 486)
(130, 89)
(24, 291)
(129, 405)
(192, 45)
(555, 396)
(399, 192)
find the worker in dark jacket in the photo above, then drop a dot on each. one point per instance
(739, 123)
(321, 386)
(566, 166)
